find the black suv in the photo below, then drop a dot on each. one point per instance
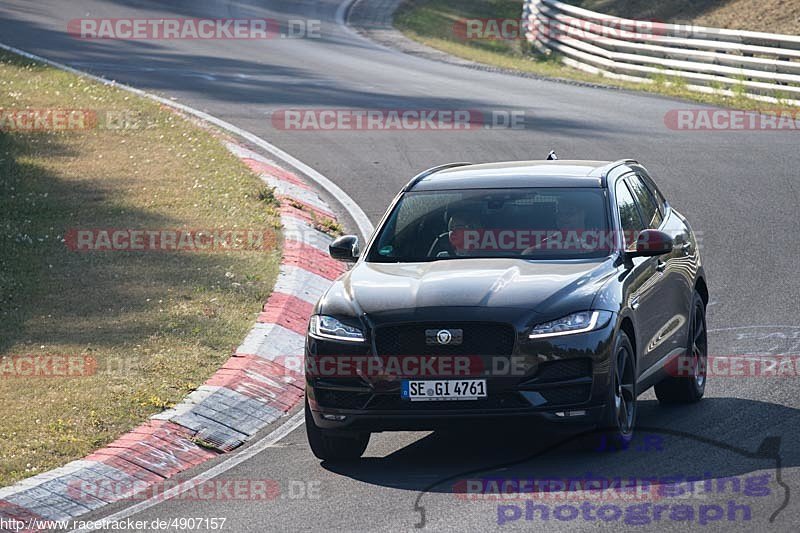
(547, 290)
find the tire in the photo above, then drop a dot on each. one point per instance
(615, 429)
(690, 388)
(334, 445)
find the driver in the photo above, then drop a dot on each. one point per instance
(448, 244)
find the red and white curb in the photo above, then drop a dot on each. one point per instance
(260, 383)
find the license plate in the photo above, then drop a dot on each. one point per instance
(433, 390)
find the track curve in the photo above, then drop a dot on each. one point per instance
(739, 189)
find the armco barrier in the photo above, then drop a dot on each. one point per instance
(763, 66)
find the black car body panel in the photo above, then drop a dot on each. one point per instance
(496, 301)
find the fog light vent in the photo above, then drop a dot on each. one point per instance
(569, 414)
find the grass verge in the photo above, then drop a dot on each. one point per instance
(150, 326)
(437, 23)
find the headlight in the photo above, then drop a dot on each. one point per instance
(569, 325)
(327, 327)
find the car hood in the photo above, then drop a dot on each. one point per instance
(488, 283)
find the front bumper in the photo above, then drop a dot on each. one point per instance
(560, 380)
(430, 421)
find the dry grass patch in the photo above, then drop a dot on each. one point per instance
(156, 323)
(771, 16)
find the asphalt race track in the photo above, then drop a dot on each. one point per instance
(739, 190)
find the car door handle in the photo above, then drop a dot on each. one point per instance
(661, 266)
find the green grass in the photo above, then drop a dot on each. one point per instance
(329, 226)
(432, 22)
(156, 323)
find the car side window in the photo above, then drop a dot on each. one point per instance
(651, 186)
(628, 214)
(647, 203)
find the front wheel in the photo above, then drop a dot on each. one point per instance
(690, 384)
(334, 445)
(615, 431)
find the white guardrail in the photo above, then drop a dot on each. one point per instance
(763, 66)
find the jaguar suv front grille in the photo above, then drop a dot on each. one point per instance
(466, 338)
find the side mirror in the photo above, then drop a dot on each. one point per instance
(652, 242)
(345, 248)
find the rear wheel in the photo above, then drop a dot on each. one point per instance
(615, 430)
(689, 388)
(334, 445)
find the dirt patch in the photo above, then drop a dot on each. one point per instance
(772, 16)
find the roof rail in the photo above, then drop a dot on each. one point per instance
(416, 179)
(606, 170)
(617, 163)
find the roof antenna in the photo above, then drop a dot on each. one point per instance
(552, 156)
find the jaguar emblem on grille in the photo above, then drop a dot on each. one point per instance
(444, 337)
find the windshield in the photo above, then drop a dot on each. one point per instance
(530, 223)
